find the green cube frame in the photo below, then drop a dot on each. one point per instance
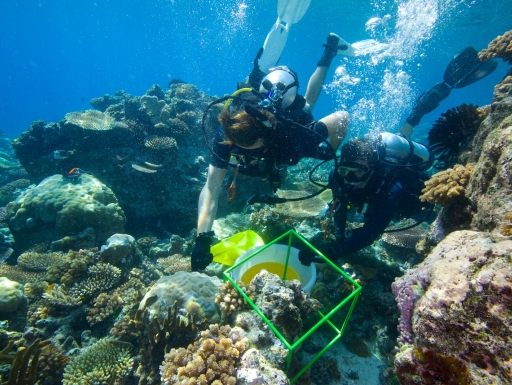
(351, 299)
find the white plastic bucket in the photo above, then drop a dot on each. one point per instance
(274, 258)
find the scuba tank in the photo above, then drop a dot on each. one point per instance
(395, 149)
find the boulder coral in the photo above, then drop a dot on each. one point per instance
(457, 313)
(58, 207)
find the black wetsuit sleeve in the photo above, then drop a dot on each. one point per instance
(375, 223)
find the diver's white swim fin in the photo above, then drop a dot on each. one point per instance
(360, 48)
(289, 12)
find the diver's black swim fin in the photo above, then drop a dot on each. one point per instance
(466, 68)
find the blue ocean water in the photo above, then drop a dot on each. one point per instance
(57, 55)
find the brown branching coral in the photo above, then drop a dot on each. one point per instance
(453, 131)
(230, 300)
(58, 296)
(24, 364)
(103, 306)
(74, 267)
(52, 362)
(211, 360)
(445, 186)
(176, 331)
(501, 47)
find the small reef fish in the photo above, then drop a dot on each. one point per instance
(153, 165)
(74, 173)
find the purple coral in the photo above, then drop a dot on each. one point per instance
(407, 290)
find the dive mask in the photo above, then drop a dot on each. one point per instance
(354, 172)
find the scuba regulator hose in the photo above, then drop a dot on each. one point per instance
(265, 198)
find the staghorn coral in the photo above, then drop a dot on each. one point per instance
(501, 47)
(34, 261)
(174, 263)
(160, 143)
(211, 360)
(102, 277)
(103, 306)
(230, 300)
(445, 186)
(91, 120)
(98, 363)
(453, 131)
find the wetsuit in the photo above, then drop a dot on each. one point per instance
(388, 193)
(286, 145)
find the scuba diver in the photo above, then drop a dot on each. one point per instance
(382, 177)
(266, 125)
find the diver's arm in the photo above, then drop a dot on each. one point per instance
(209, 199)
(316, 81)
(406, 130)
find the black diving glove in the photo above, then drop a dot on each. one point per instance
(201, 256)
(331, 50)
(307, 256)
(428, 102)
(256, 74)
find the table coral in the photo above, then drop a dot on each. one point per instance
(501, 47)
(211, 360)
(174, 263)
(445, 186)
(34, 261)
(91, 120)
(98, 363)
(102, 277)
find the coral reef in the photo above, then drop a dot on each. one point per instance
(406, 239)
(446, 186)
(131, 132)
(452, 132)
(178, 330)
(283, 303)
(118, 248)
(99, 363)
(39, 261)
(501, 47)
(195, 292)
(230, 300)
(103, 306)
(254, 368)
(24, 365)
(101, 277)
(456, 312)
(91, 120)
(211, 360)
(57, 207)
(18, 274)
(174, 263)
(12, 297)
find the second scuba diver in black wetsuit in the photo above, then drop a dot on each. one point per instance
(370, 186)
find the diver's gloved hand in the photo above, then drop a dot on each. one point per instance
(307, 256)
(331, 50)
(201, 256)
(428, 102)
(256, 74)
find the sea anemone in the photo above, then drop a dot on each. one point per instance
(452, 132)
